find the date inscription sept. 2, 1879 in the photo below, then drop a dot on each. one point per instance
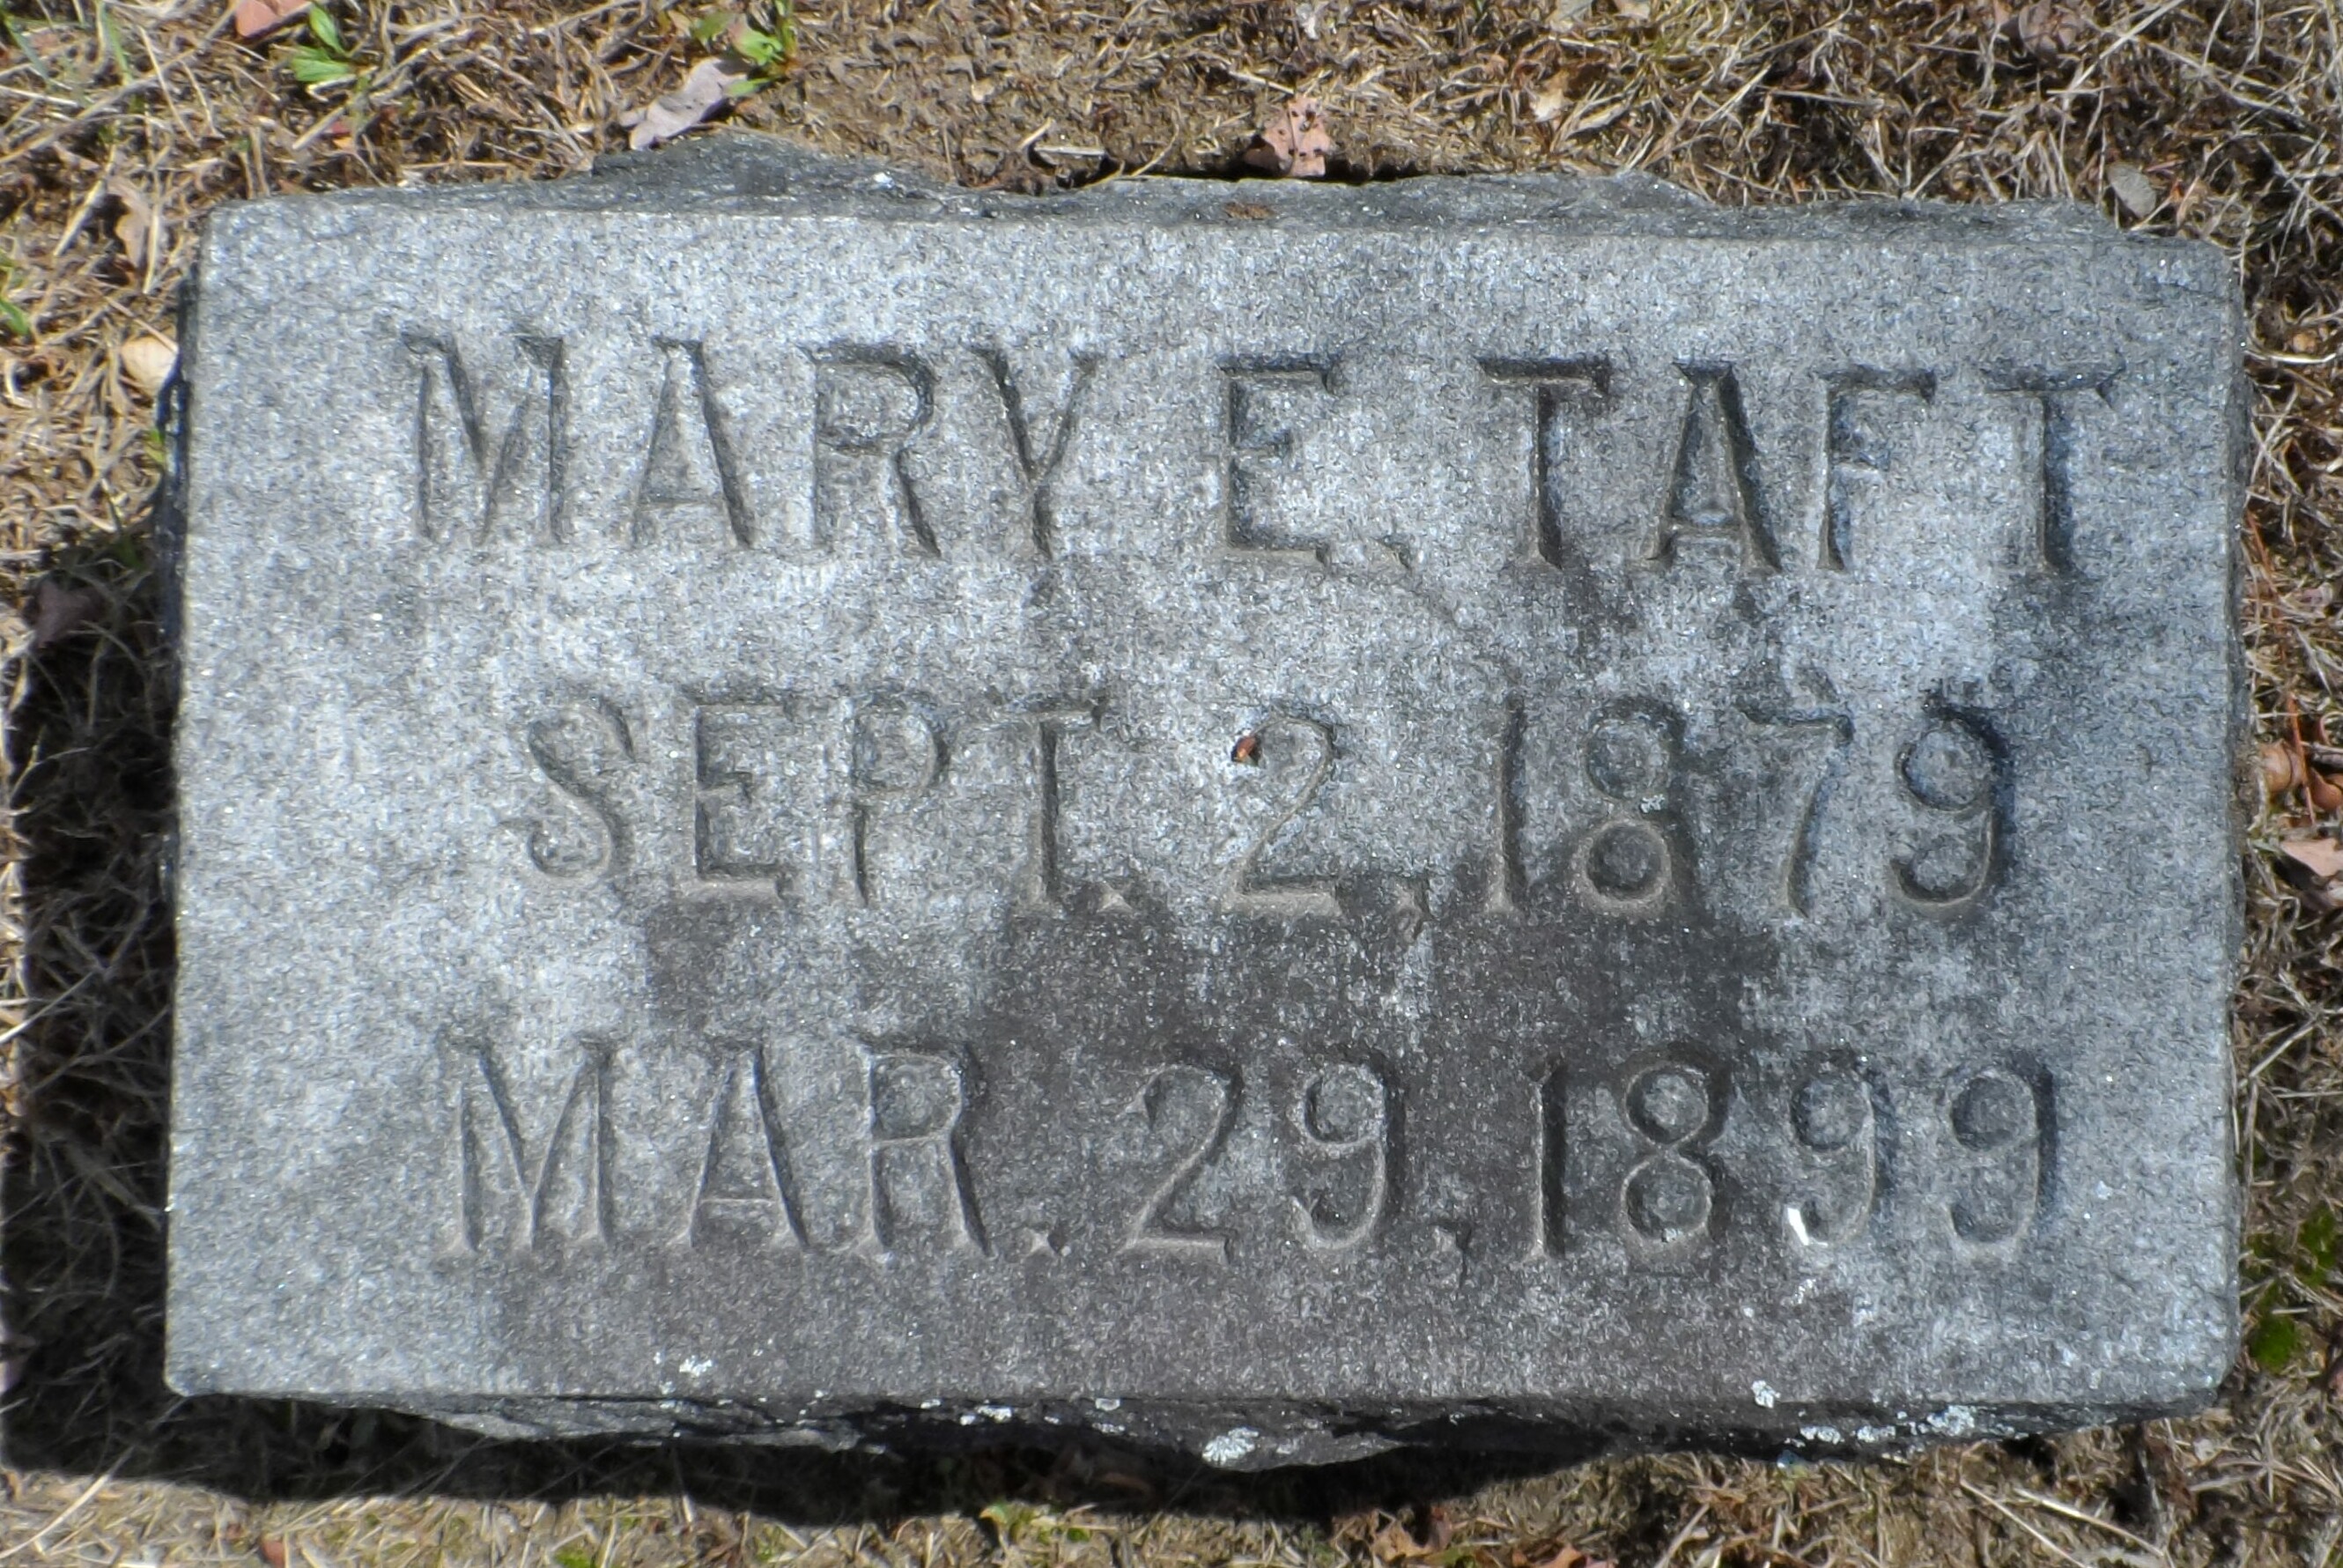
(1472, 810)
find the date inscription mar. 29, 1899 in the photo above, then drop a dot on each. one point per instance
(1468, 808)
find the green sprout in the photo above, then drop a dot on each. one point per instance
(325, 62)
(764, 38)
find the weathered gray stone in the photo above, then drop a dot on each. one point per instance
(1271, 818)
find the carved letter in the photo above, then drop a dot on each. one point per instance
(1852, 453)
(898, 755)
(919, 1173)
(1039, 464)
(689, 466)
(1712, 489)
(2053, 417)
(1554, 385)
(1040, 889)
(869, 405)
(580, 749)
(745, 1182)
(468, 476)
(1250, 433)
(529, 1188)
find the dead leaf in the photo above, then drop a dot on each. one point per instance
(59, 610)
(1567, 13)
(148, 362)
(2045, 29)
(1295, 142)
(704, 90)
(1247, 750)
(1634, 10)
(256, 17)
(1249, 211)
(138, 226)
(2322, 857)
(2133, 188)
(1547, 107)
(272, 1551)
(2323, 794)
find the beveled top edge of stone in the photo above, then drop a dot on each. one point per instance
(753, 174)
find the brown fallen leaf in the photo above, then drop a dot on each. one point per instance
(1634, 10)
(2324, 797)
(138, 228)
(148, 361)
(1567, 14)
(1295, 142)
(2045, 29)
(1547, 107)
(706, 89)
(59, 610)
(2322, 857)
(1247, 750)
(1249, 211)
(256, 17)
(272, 1551)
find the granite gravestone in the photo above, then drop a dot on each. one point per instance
(1272, 818)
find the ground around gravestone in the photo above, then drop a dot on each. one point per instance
(126, 123)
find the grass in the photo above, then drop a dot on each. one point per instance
(2220, 119)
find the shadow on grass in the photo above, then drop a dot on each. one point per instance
(83, 1244)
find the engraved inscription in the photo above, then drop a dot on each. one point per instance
(527, 1174)
(1263, 402)
(1815, 713)
(746, 1186)
(898, 755)
(1561, 391)
(690, 477)
(2004, 1132)
(1633, 862)
(1348, 1122)
(1192, 1109)
(1854, 452)
(2050, 416)
(1549, 1166)
(1280, 764)
(580, 749)
(474, 477)
(1508, 878)
(1712, 493)
(870, 405)
(1040, 887)
(919, 1181)
(1957, 769)
(1838, 1116)
(1038, 454)
(1669, 1198)
(764, 783)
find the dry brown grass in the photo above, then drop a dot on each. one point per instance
(2233, 110)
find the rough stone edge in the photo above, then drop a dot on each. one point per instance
(1261, 1436)
(738, 173)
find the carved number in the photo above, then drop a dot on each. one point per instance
(1669, 1196)
(1956, 768)
(1170, 1086)
(1630, 864)
(1345, 1110)
(1281, 747)
(2002, 1131)
(1828, 716)
(1836, 1117)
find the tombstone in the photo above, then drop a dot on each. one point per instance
(1271, 819)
